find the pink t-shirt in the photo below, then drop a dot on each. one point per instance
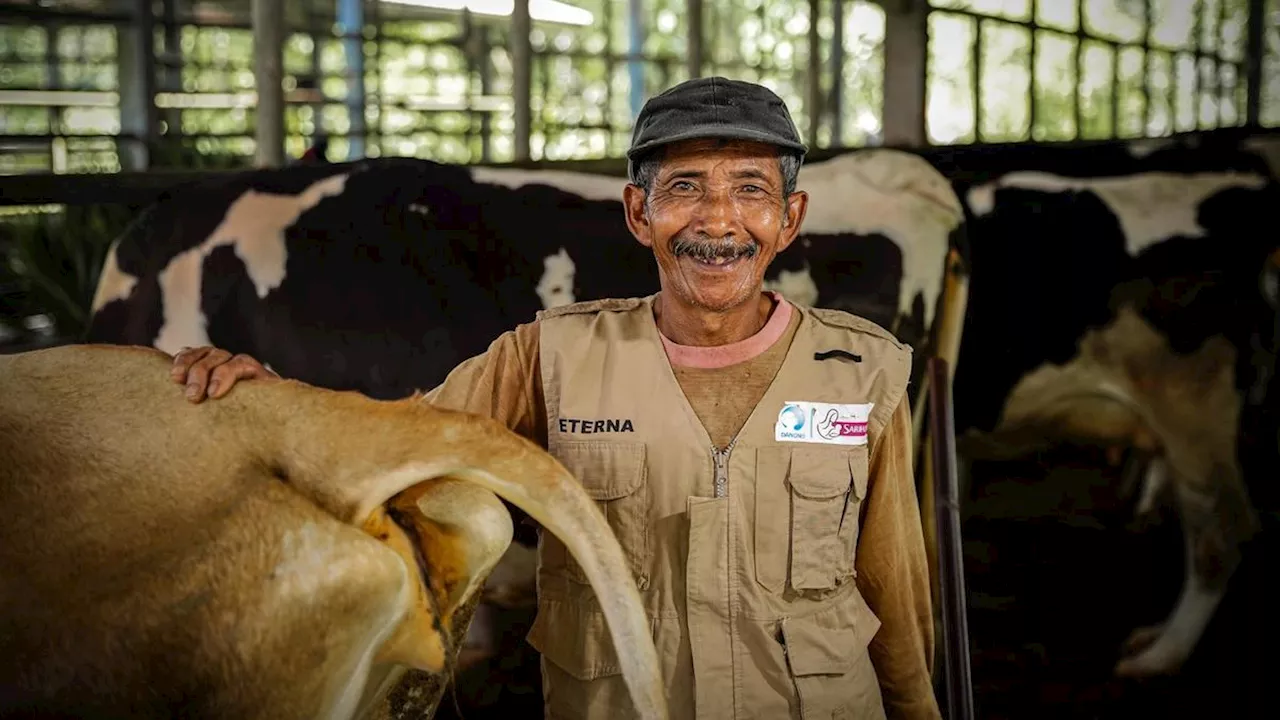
(718, 356)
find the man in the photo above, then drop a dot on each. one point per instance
(753, 457)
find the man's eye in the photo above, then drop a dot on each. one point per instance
(752, 188)
(682, 185)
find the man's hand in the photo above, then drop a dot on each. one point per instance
(214, 370)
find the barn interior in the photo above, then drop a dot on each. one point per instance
(1101, 154)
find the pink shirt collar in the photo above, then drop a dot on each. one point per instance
(718, 356)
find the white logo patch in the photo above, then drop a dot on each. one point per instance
(823, 423)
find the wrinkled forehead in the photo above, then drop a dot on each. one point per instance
(708, 156)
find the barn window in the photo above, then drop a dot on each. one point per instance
(1055, 70)
(439, 83)
(67, 131)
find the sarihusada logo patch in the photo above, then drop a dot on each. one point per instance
(832, 424)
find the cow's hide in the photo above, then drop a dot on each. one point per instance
(282, 553)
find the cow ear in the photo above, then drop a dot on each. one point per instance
(633, 201)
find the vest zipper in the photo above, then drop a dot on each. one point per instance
(721, 458)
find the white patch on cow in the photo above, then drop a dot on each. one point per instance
(1151, 207)
(795, 285)
(420, 209)
(113, 283)
(898, 195)
(1180, 634)
(254, 225)
(1266, 147)
(1143, 148)
(556, 285)
(585, 185)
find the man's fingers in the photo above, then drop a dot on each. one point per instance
(183, 360)
(212, 372)
(240, 367)
(198, 375)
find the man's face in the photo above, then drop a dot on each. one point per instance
(715, 218)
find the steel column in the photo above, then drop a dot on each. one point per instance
(268, 66)
(522, 76)
(138, 114)
(351, 27)
(905, 54)
(1255, 49)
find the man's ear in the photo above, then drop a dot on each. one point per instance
(793, 218)
(633, 198)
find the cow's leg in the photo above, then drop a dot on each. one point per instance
(319, 618)
(1154, 481)
(1212, 554)
(1162, 649)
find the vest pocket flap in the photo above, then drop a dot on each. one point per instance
(606, 470)
(820, 474)
(575, 638)
(813, 649)
(858, 469)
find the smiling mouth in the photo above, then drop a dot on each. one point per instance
(718, 260)
(713, 253)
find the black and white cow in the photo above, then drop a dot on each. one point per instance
(380, 276)
(1183, 235)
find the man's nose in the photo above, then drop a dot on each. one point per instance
(717, 216)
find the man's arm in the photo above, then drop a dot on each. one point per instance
(504, 383)
(893, 575)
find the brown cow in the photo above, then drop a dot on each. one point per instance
(1127, 388)
(284, 553)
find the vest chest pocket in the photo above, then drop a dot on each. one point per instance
(613, 475)
(807, 506)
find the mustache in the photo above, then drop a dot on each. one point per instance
(703, 247)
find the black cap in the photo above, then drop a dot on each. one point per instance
(714, 107)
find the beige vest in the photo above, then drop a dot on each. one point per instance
(744, 559)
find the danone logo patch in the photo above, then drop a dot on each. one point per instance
(832, 424)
